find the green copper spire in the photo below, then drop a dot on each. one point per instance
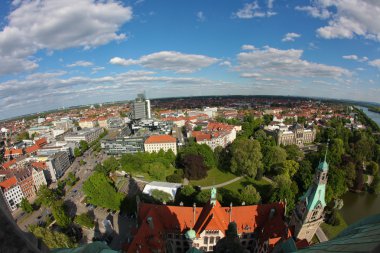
(324, 166)
(213, 196)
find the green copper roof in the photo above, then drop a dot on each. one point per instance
(323, 166)
(190, 234)
(315, 195)
(95, 247)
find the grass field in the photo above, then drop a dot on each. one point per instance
(332, 231)
(262, 186)
(214, 176)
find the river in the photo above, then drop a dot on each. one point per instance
(360, 205)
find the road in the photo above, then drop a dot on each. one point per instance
(321, 235)
(74, 195)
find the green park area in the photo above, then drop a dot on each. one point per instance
(262, 186)
(333, 231)
(214, 176)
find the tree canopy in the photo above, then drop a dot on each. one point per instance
(245, 157)
(101, 192)
(249, 195)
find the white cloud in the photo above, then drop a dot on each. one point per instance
(355, 58)
(253, 10)
(80, 64)
(347, 18)
(43, 91)
(248, 47)
(285, 63)
(169, 60)
(55, 25)
(314, 11)
(270, 4)
(375, 63)
(291, 37)
(226, 64)
(201, 16)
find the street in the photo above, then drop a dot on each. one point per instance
(73, 196)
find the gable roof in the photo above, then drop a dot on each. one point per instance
(179, 219)
(8, 183)
(160, 139)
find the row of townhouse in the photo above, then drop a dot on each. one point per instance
(22, 183)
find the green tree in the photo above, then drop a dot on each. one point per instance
(204, 150)
(77, 152)
(47, 196)
(304, 175)
(350, 174)
(101, 192)
(245, 157)
(336, 185)
(22, 136)
(375, 186)
(198, 128)
(83, 145)
(249, 195)
(294, 152)
(85, 219)
(204, 196)
(161, 196)
(194, 167)
(264, 139)
(373, 168)
(284, 189)
(290, 167)
(60, 215)
(53, 239)
(273, 155)
(111, 164)
(26, 206)
(157, 171)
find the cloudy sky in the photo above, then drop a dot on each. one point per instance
(56, 53)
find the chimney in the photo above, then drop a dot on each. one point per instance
(194, 208)
(230, 212)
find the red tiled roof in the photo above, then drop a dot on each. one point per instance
(40, 165)
(179, 219)
(40, 142)
(8, 183)
(9, 152)
(160, 139)
(31, 149)
(8, 164)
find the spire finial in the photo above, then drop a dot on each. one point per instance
(327, 148)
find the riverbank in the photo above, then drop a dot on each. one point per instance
(366, 120)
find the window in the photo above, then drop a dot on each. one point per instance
(212, 240)
(205, 240)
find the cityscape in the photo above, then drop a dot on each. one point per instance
(138, 126)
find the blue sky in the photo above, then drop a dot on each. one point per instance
(56, 53)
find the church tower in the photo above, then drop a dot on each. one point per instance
(308, 214)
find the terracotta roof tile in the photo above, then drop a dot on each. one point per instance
(160, 139)
(8, 183)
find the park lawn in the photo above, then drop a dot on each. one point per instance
(262, 186)
(214, 176)
(333, 231)
(146, 177)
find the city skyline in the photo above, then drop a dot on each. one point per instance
(54, 56)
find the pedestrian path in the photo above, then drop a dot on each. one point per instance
(222, 184)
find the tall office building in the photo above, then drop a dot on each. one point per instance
(141, 108)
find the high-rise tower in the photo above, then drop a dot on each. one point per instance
(141, 108)
(308, 214)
